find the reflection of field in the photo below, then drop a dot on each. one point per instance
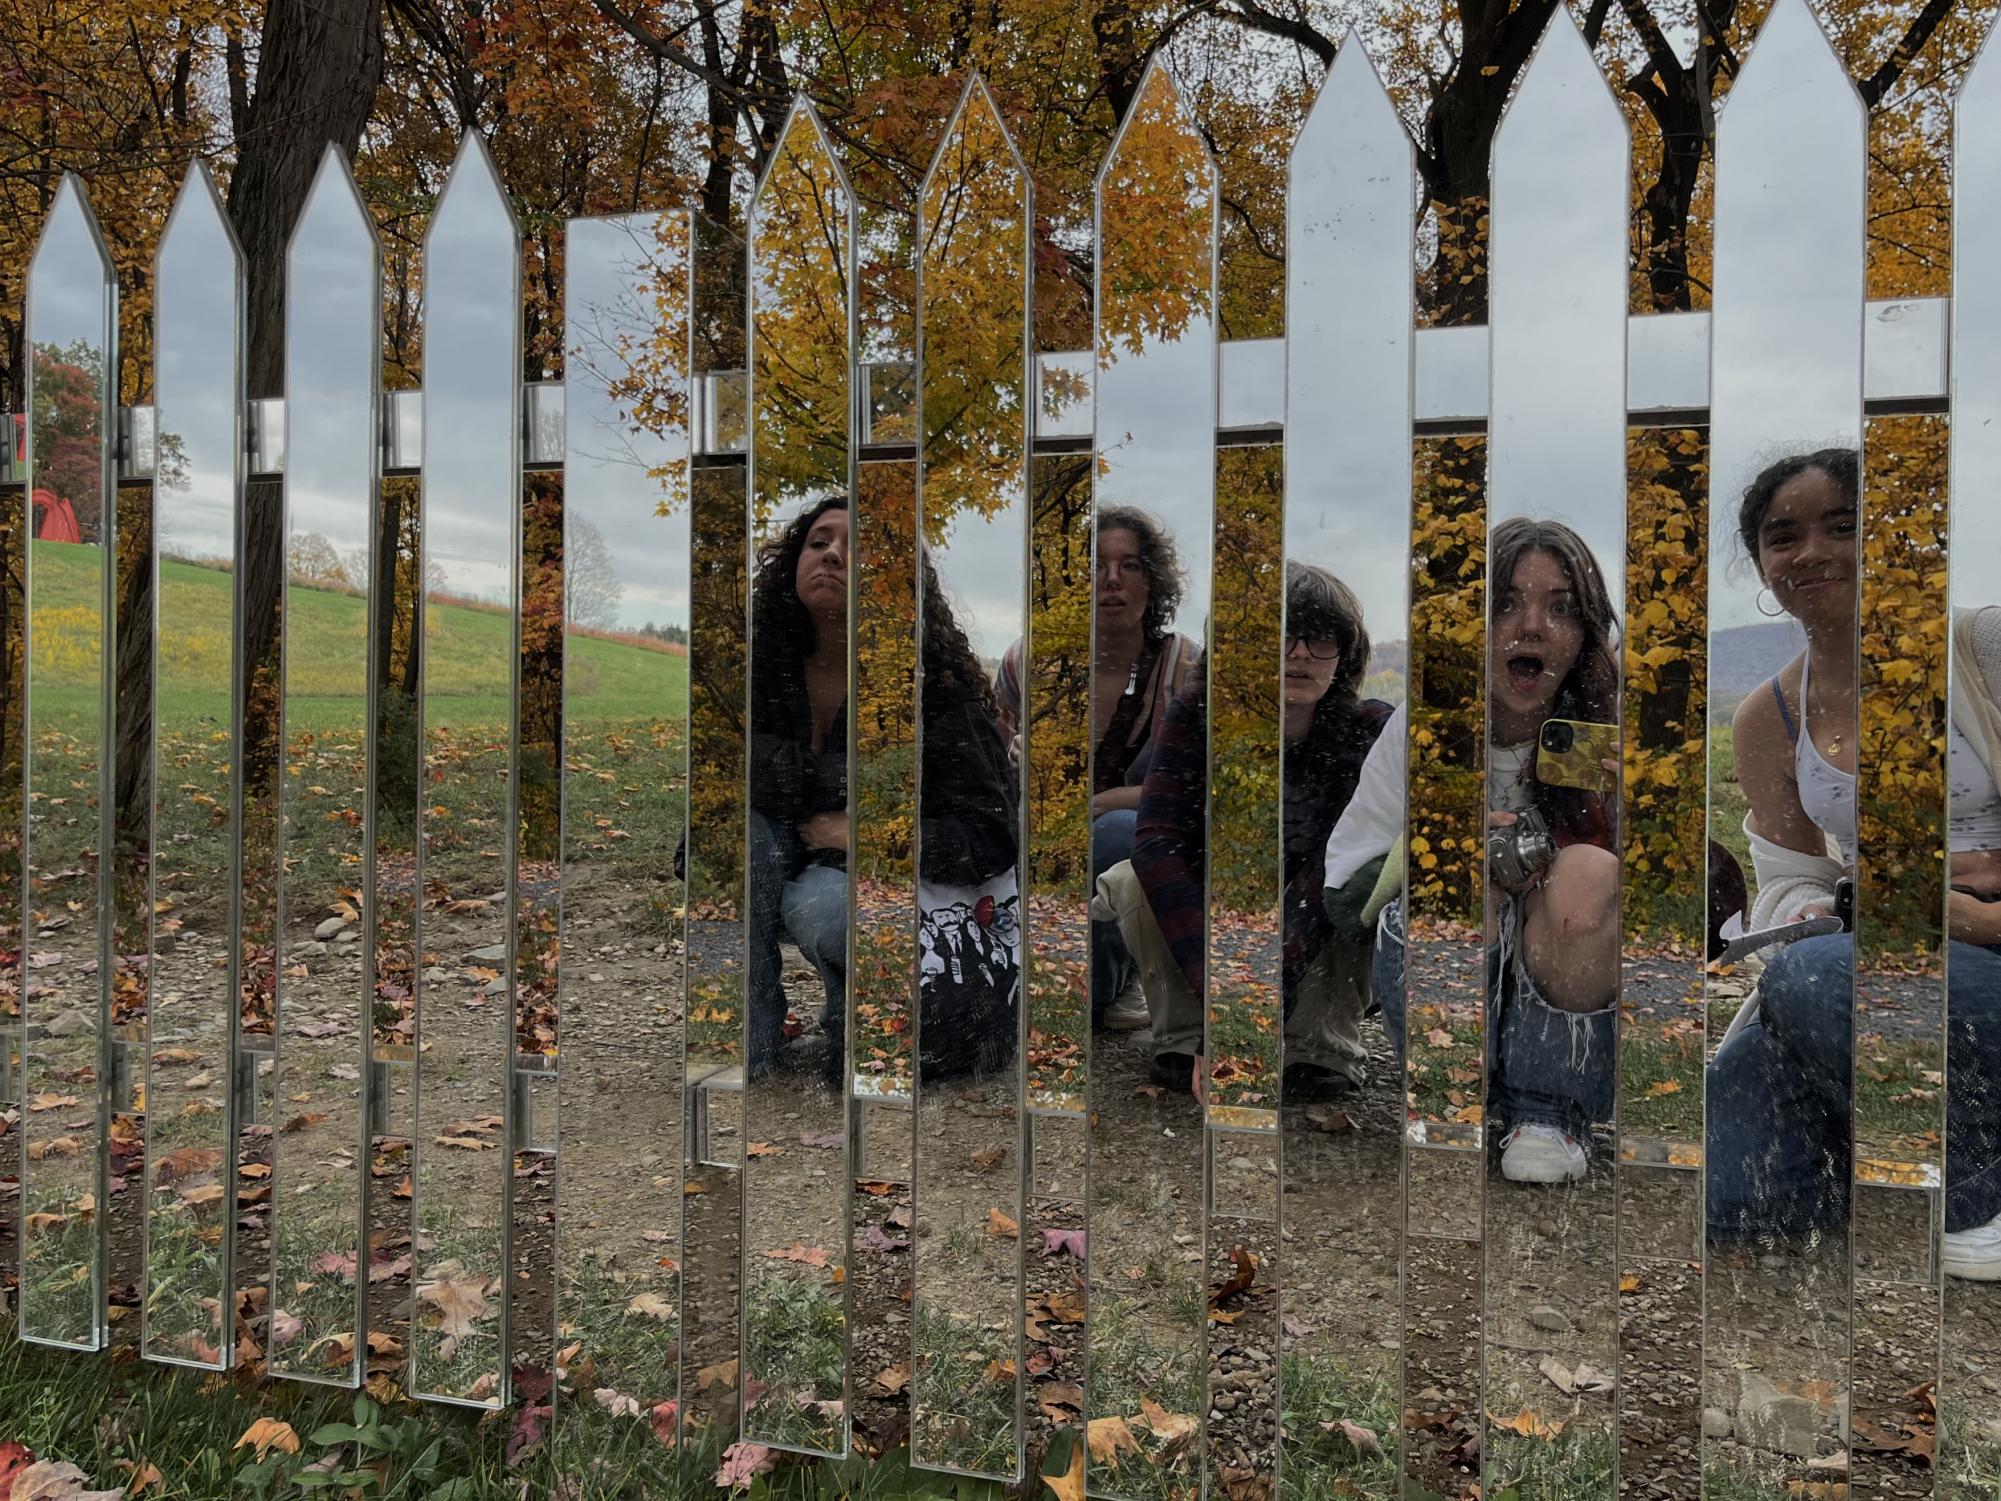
(966, 1310)
(1058, 994)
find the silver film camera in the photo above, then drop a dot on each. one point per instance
(1519, 852)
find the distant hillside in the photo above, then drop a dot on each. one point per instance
(1743, 657)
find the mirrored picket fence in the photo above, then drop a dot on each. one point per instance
(1412, 909)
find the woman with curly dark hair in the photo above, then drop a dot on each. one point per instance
(799, 833)
(1139, 666)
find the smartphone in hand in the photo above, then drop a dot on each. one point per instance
(1574, 752)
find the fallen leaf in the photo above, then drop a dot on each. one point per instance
(1363, 1440)
(141, 1475)
(743, 1463)
(1528, 1424)
(1244, 1271)
(1108, 1438)
(167, 1057)
(1167, 1425)
(1000, 1226)
(617, 1403)
(267, 1434)
(1069, 1486)
(58, 1480)
(988, 1160)
(762, 1149)
(651, 1305)
(804, 1254)
(722, 1374)
(14, 1458)
(1630, 1282)
(463, 1143)
(458, 1296)
(890, 1380)
(1665, 1086)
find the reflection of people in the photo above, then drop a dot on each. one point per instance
(798, 834)
(1554, 943)
(969, 933)
(1779, 1089)
(1140, 664)
(1159, 896)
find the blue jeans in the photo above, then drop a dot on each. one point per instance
(1544, 1066)
(811, 908)
(1777, 1160)
(1111, 962)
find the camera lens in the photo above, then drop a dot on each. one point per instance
(1557, 737)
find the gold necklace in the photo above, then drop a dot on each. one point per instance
(1834, 745)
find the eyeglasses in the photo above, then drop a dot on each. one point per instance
(1321, 649)
(1126, 568)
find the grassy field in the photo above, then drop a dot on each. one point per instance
(609, 679)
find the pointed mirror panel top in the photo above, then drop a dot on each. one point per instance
(69, 229)
(1157, 210)
(800, 247)
(974, 217)
(1790, 261)
(473, 202)
(1557, 257)
(1157, 207)
(1351, 214)
(334, 215)
(198, 224)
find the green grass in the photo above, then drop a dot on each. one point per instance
(326, 639)
(795, 1342)
(962, 1417)
(1319, 1461)
(1727, 803)
(1651, 1058)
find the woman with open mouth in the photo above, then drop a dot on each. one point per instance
(1553, 942)
(1780, 1089)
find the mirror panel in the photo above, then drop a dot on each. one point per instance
(1556, 547)
(1349, 231)
(320, 986)
(1785, 387)
(712, 1188)
(973, 306)
(626, 509)
(1154, 514)
(1969, 1408)
(801, 257)
(190, 1188)
(72, 315)
(469, 621)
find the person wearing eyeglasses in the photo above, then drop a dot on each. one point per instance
(1139, 664)
(1158, 898)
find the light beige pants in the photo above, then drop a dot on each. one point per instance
(1325, 1027)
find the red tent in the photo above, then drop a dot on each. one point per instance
(58, 519)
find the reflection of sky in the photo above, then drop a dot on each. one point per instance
(1557, 438)
(68, 283)
(1156, 438)
(610, 265)
(331, 323)
(1976, 343)
(1787, 343)
(982, 568)
(195, 346)
(1348, 299)
(472, 483)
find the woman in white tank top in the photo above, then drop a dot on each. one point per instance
(1777, 1157)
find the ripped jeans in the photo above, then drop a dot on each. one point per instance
(1544, 1066)
(1777, 1159)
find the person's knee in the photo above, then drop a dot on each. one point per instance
(1581, 894)
(1112, 838)
(816, 915)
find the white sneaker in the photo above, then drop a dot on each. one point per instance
(1975, 1255)
(1543, 1154)
(1128, 1013)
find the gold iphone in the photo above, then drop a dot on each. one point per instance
(1573, 753)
